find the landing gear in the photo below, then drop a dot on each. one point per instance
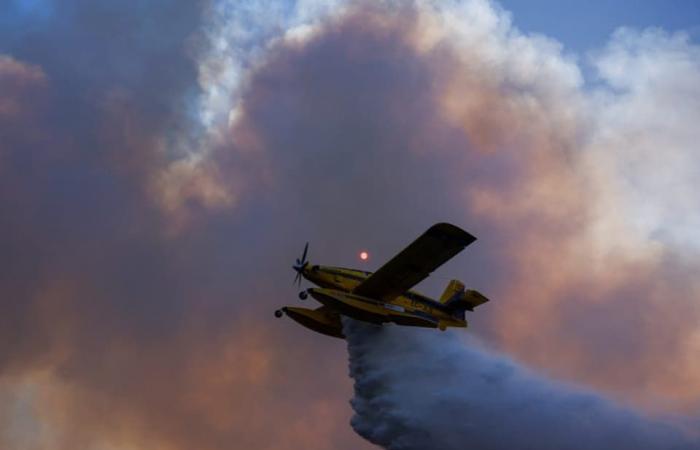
(303, 295)
(278, 313)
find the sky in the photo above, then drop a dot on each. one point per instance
(586, 26)
(163, 163)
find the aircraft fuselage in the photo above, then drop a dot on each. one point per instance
(412, 308)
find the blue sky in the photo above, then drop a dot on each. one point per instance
(579, 25)
(586, 25)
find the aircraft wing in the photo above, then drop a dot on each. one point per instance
(432, 249)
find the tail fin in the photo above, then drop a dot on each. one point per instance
(454, 287)
(459, 300)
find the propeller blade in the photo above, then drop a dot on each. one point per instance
(300, 265)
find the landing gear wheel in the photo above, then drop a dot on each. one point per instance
(278, 313)
(303, 295)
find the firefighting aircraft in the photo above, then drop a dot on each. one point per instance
(385, 295)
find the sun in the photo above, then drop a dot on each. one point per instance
(364, 255)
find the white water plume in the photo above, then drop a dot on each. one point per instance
(422, 389)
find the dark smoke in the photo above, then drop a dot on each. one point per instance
(421, 389)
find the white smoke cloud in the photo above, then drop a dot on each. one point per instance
(236, 36)
(234, 40)
(643, 141)
(421, 389)
(636, 121)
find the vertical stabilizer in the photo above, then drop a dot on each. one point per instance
(453, 288)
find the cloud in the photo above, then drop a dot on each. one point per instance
(233, 41)
(17, 80)
(645, 114)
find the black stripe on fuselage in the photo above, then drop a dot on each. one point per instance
(346, 275)
(408, 294)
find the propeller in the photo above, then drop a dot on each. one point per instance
(300, 265)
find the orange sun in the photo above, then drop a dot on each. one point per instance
(364, 255)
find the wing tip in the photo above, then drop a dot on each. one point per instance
(444, 228)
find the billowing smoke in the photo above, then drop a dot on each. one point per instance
(418, 389)
(162, 164)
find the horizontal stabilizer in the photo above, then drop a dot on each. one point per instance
(467, 300)
(474, 298)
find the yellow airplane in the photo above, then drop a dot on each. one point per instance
(385, 295)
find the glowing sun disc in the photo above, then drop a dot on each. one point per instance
(364, 255)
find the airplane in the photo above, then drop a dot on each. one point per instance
(385, 295)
